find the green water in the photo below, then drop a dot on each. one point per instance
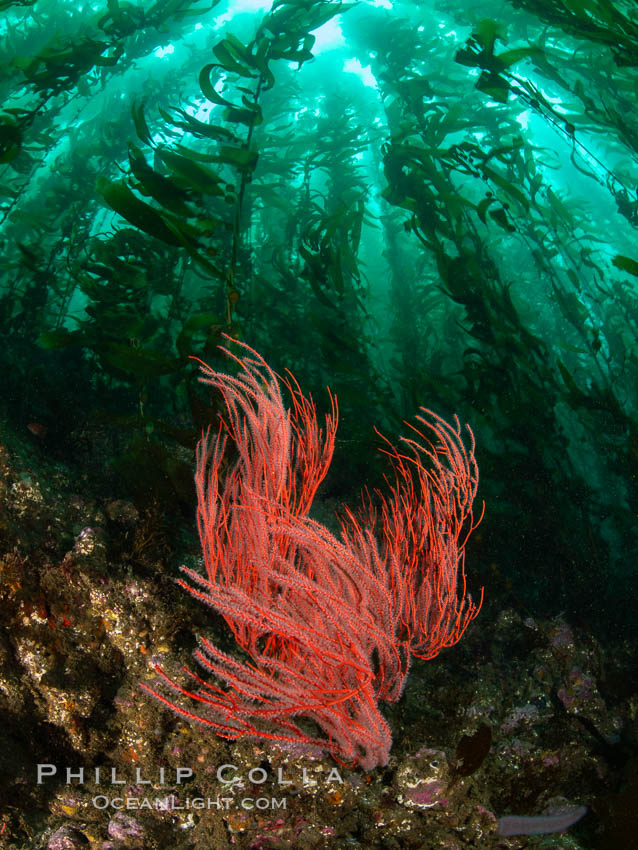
(415, 203)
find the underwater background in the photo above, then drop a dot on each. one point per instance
(420, 203)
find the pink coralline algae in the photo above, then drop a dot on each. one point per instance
(579, 691)
(424, 780)
(329, 623)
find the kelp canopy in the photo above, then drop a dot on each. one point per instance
(415, 202)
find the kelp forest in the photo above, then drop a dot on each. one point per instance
(416, 204)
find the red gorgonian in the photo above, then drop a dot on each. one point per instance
(328, 623)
